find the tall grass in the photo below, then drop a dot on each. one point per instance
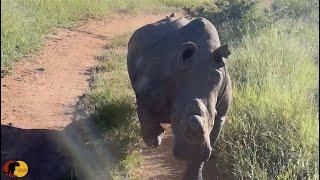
(273, 127)
(24, 24)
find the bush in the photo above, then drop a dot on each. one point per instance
(232, 18)
(237, 18)
(296, 9)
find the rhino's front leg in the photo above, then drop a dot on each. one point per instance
(193, 171)
(218, 124)
(151, 130)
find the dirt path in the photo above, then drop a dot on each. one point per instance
(160, 164)
(42, 90)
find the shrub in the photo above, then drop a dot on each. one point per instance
(296, 9)
(232, 18)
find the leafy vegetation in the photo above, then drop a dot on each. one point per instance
(232, 18)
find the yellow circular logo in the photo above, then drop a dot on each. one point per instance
(15, 168)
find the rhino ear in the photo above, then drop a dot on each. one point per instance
(187, 51)
(222, 51)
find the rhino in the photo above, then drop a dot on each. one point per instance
(178, 73)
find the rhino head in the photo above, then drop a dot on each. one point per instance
(196, 92)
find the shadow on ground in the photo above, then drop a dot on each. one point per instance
(50, 153)
(79, 151)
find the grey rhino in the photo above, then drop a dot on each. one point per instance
(177, 70)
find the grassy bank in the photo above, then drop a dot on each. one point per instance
(273, 128)
(24, 24)
(112, 103)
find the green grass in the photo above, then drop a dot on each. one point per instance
(24, 24)
(112, 102)
(273, 128)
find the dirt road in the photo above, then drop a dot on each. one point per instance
(42, 90)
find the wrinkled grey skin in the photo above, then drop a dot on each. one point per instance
(177, 70)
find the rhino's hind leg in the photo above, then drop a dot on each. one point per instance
(218, 124)
(151, 130)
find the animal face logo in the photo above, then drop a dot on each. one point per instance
(15, 168)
